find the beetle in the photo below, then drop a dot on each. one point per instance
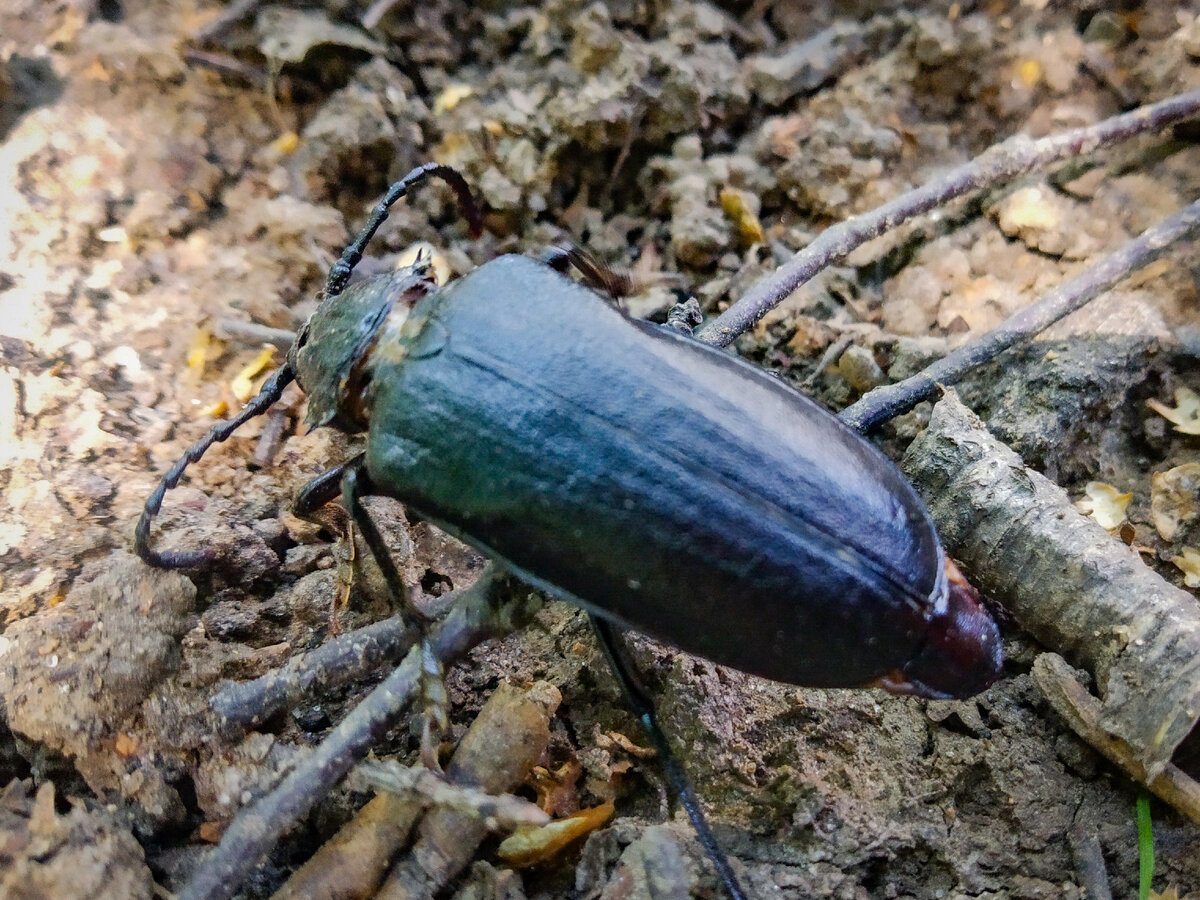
(659, 483)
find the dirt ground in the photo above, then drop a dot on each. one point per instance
(163, 176)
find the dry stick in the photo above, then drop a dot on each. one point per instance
(1083, 712)
(1066, 581)
(253, 333)
(891, 400)
(375, 13)
(226, 19)
(246, 704)
(1016, 156)
(494, 607)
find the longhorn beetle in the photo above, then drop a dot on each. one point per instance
(661, 484)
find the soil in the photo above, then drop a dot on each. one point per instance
(164, 176)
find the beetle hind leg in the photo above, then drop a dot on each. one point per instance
(433, 698)
(643, 707)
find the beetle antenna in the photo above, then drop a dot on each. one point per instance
(340, 273)
(271, 391)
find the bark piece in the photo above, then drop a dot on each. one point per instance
(1069, 583)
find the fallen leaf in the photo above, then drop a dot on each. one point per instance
(1174, 498)
(742, 209)
(1105, 504)
(451, 96)
(533, 844)
(1186, 414)
(243, 382)
(1188, 562)
(286, 35)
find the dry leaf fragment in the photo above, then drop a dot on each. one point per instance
(451, 96)
(1171, 893)
(1186, 414)
(287, 35)
(1175, 499)
(243, 382)
(533, 844)
(1105, 504)
(1188, 562)
(742, 209)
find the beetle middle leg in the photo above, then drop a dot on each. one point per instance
(615, 651)
(353, 482)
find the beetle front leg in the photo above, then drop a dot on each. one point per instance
(613, 643)
(355, 485)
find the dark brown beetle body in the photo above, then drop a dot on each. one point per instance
(656, 481)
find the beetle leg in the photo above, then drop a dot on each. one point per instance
(322, 489)
(565, 256)
(356, 485)
(643, 707)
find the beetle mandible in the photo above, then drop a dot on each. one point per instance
(660, 483)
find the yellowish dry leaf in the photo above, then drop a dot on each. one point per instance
(739, 206)
(1186, 414)
(451, 96)
(1175, 499)
(1105, 504)
(243, 382)
(200, 350)
(533, 844)
(1188, 562)
(215, 410)
(286, 143)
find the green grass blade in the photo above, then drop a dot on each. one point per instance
(1145, 844)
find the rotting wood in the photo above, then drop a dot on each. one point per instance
(1069, 583)
(1071, 700)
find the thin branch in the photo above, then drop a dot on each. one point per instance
(1085, 715)
(375, 13)
(494, 608)
(226, 19)
(891, 400)
(1016, 156)
(246, 704)
(253, 333)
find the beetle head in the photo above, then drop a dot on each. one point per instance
(960, 655)
(331, 350)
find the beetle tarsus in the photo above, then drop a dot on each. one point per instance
(643, 707)
(322, 489)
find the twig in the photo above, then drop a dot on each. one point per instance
(496, 811)
(375, 13)
(1089, 862)
(494, 606)
(253, 333)
(224, 62)
(1082, 712)
(1068, 582)
(891, 400)
(246, 704)
(1015, 156)
(230, 16)
(495, 755)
